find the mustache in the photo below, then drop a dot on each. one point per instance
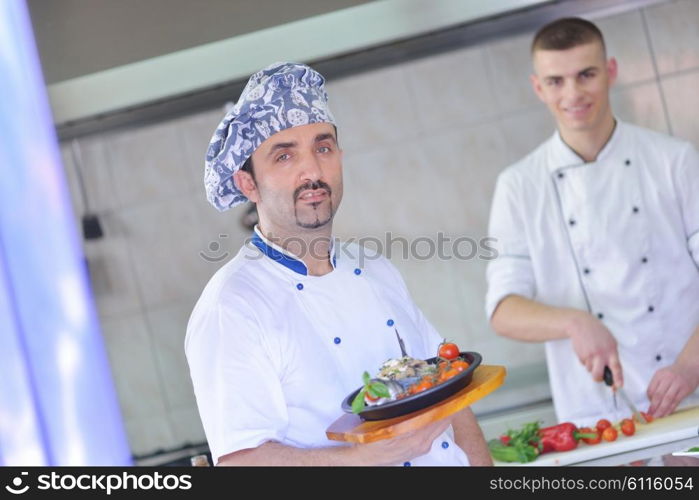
(312, 186)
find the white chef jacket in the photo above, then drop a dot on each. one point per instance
(273, 351)
(618, 237)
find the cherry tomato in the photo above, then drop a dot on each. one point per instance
(460, 365)
(423, 385)
(368, 397)
(504, 439)
(603, 424)
(589, 430)
(448, 350)
(648, 417)
(609, 434)
(450, 373)
(628, 427)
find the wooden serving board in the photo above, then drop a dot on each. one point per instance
(351, 428)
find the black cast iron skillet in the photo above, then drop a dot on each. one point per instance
(421, 400)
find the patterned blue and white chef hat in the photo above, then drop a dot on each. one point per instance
(281, 96)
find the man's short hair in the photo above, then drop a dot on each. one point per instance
(566, 33)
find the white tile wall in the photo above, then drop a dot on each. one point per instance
(423, 141)
(674, 35)
(366, 186)
(148, 435)
(450, 90)
(641, 105)
(510, 66)
(73, 186)
(165, 242)
(168, 325)
(131, 354)
(146, 164)
(112, 271)
(373, 109)
(194, 132)
(523, 132)
(186, 426)
(625, 38)
(681, 95)
(220, 233)
(464, 164)
(99, 186)
(433, 285)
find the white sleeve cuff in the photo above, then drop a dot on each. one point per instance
(508, 275)
(241, 441)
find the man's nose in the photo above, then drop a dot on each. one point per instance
(311, 169)
(572, 90)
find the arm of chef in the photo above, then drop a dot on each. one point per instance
(230, 369)
(687, 186)
(511, 272)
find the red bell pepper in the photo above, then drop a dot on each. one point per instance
(562, 437)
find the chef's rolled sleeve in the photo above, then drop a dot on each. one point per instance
(236, 384)
(511, 272)
(687, 186)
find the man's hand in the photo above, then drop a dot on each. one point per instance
(668, 387)
(525, 319)
(402, 448)
(595, 346)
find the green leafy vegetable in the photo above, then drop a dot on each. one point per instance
(519, 445)
(518, 452)
(375, 389)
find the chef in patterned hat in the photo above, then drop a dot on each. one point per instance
(598, 238)
(283, 332)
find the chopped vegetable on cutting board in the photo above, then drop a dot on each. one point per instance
(530, 441)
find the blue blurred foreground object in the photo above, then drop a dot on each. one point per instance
(58, 405)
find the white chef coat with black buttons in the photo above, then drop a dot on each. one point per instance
(618, 237)
(274, 351)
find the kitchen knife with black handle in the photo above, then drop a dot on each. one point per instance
(609, 380)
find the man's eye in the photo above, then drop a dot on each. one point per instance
(324, 149)
(554, 82)
(589, 74)
(283, 157)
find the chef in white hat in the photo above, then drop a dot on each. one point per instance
(283, 332)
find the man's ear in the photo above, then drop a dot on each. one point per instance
(246, 184)
(612, 70)
(536, 85)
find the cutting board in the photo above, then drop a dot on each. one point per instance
(351, 428)
(682, 424)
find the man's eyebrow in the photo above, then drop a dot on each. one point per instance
(280, 145)
(323, 137)
(585, 70)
